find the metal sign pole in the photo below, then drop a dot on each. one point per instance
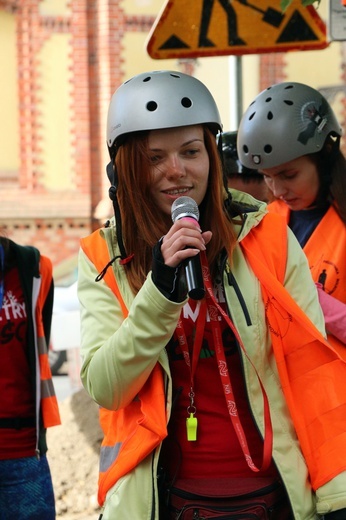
(236, 91)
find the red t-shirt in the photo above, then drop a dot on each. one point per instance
(16, 390)
(217, 451)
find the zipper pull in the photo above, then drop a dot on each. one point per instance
(229, 274)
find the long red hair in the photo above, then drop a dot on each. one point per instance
(143, 223)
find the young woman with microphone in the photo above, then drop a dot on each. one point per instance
(222, 403)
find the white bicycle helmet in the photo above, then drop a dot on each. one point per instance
(284, 122)
(160, 99)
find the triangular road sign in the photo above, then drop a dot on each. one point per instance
(198, 28)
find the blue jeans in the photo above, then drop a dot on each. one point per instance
(26, 489)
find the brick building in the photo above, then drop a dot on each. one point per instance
(60, 62)
(63, 60)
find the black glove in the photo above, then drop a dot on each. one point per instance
(336, 515)
(167, 279)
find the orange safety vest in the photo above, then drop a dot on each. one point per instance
(49, 403)
(326, 254)
(131, 433)
(306, 363)
(312, 373)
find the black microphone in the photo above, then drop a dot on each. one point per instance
(186, 207)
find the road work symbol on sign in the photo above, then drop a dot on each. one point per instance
(190, 29)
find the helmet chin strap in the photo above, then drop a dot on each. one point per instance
(112, 192)
(221, 155)
(224, 176)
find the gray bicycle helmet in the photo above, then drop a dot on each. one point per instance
(284, 122)
(160, 99)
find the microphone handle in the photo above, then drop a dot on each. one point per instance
(194, 278)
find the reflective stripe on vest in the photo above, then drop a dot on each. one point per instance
(109, 454)
(49, 403)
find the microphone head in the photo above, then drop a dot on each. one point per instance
(184, 207)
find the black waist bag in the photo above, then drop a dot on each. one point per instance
(242, 499)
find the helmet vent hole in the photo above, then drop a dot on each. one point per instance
(288, 102)
(268, 99)
(245, 149)
(268, 148)
(151, 106)
(252, 116)
(186, 102)
(270, 116)
(148, 78)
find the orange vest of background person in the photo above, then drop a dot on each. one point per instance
(49, 403)
(326, 254)
(306, 362)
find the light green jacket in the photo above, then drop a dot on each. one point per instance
(118, 356)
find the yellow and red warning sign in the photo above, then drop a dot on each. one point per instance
(198, 28)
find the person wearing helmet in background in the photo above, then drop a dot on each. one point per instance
(238, 176)
(291, 134)
(193, 321)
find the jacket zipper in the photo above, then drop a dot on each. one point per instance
(233, 283)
